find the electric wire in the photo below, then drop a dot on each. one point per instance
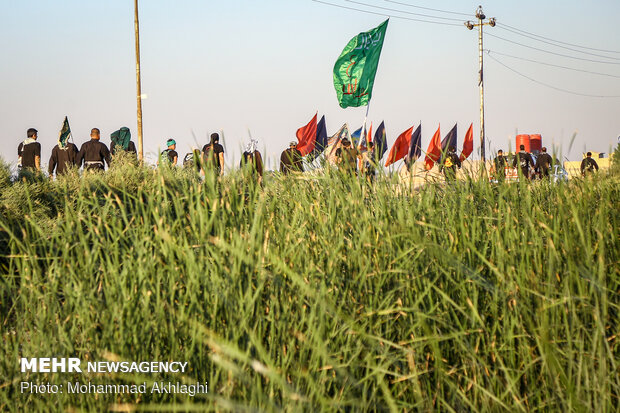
(497, 37)
(550, 52)
(551, 86)
(557, 45)
(384, 14)
(403, 12)
(427, 8)
(551, 64)
(558, 41)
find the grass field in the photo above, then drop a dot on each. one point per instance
(315, 294)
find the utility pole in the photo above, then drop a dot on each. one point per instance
(138, 84)
(481, 23)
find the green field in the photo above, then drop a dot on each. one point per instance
(315, 293)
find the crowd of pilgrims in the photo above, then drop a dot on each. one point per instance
(94, 155)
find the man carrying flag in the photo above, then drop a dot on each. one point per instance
(64, 153)
(449, 159)
(449, 164)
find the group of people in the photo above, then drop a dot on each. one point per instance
(94, 155)
(538, 168)
(348, 158)
(65, 155)
(529, 167)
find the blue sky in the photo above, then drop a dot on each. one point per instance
(267, 66)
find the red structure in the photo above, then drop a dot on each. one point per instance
(523, 140)
(535, 143)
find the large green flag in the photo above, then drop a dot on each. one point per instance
(355, 69)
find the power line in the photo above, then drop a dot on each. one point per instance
(404, 12)
(553, 53)
(558, 41)
(551, 64)
(550, 86)
(385, 15)
(557, 45)
(427, 8)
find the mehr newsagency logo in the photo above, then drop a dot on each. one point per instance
(75, 365)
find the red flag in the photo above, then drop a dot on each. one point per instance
(306, 136)
(468, 144)
(400, 147)
(434, 150)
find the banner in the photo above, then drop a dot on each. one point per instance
(355, 69)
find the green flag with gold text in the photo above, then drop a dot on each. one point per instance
(355, 69)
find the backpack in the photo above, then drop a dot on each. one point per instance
(188, 160)
(210, 154)
(164, 159)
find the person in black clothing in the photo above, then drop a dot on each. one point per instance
(29, 151)
(170, 155)
(213, 155)
(93, 153)
(62, 159)
(291, 159)
(121, 141)
(500, 162)
(254, 162)
(544, 162)
(525, 162)
(449, 164)
(588, 165)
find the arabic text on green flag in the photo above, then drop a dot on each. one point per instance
(355, 69)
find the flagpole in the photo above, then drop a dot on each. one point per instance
(138, 83)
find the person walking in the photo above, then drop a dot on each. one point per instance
(94, 154)
(291, 159)
(525, 161)
(544, 162)
(588, 165)
(29, 151)
(499, 164)
(449, 164)
(347, 157)
(63, 157)
(252, 160)
(169, 156)
(213, 155)
(121, 141)
(368, 163)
